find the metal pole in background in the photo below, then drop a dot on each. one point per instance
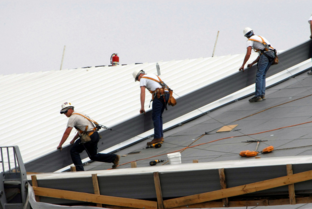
(158, 69)
(63, 57)
(215, 44)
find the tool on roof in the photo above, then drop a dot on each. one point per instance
(247, 153)
(267, 149)
(99, 126)
(154, 162)
(155, 145)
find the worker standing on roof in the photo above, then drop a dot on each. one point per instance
(265, 59)
(310, 24)
(87, 126)
(160, 98)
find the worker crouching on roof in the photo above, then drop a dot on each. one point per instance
(84, 125)
(160, 98)
(265, 59)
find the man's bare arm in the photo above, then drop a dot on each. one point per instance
(247, 56)
(254, 62)
(74, 139)
(142, 99)
(65, 136)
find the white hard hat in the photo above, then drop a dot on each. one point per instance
(136, 74)
(65, 106)
(247, 30)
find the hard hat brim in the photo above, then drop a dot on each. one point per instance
(65, 109)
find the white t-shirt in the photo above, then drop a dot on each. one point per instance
(79, 122)
(150, 84)
(310, 19)
(255, 44)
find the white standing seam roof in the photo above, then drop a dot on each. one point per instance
(31, 102)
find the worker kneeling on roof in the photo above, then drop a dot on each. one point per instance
(160, 97)
(265, 59)
(87, 136)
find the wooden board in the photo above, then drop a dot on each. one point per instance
(96, 187)
(160, 203)
(291, 187)
(239, 190)
(35, 183)
(227, 128)
(102, 199)
(223, 186)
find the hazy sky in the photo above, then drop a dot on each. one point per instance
(33, 33)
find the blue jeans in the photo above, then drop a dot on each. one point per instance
(157, 111)
(91, 149)
(263, 66)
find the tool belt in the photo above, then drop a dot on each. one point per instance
(159, 92)
(85, 135)
(274, 60)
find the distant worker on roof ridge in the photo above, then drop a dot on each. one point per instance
(265, 59)
(87, 127)
(160, 97)
(310, 23)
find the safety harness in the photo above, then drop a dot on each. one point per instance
(94, 123)
(267, 48)
(162, 91)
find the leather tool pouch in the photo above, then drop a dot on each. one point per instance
(84, 137)
(172, 101)
(275, 61)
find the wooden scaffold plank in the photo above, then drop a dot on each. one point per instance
(238, 190)
(96, 187)
(35, 183)
(94, 198)
(291, 187)
(160, 203)
(223, 186)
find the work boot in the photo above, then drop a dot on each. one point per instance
(255, 99)
(154, 141)
(116, 162)
(263, 97)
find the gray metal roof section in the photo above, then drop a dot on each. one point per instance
(283, 119)
(133, 127)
